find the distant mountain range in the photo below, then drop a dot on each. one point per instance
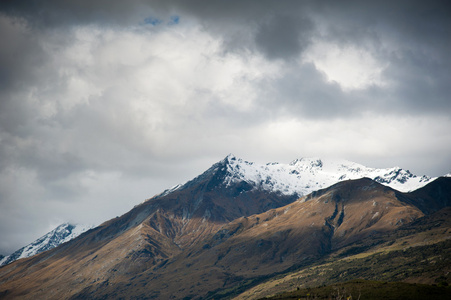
(240, 225)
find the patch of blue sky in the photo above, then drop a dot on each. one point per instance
(174, 20)
(152, 21)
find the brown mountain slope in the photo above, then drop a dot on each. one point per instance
(432, 197)
(141, 239)
(183, 245)
(252, 248)
(418, 252)
(297, 234)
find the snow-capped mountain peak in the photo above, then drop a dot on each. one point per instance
(61, 234)
(302, 176)
(305, 175)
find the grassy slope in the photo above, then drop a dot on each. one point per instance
(417, 253)
(368, 290)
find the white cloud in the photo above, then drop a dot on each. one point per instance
(373, 140)
(350, 66)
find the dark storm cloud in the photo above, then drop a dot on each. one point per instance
(19, 50)
(305, 93)
(410, 37)
(277, 30)
(283, 36)
(54, 13)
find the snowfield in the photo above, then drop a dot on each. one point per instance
(305, 175)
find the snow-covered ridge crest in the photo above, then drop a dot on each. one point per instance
(61, 234)
(305, 175)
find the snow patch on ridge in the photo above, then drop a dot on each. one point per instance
(61, 234)
(305, 175)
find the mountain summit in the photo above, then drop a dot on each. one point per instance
(305, 175)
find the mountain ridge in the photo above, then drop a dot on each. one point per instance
(305, 175)
(61, 234)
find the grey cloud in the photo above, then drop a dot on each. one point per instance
(20, 53)
(421, 85)
(279, 31)
(53, 13)
(305, 93)
(410, 37)
(284, 36)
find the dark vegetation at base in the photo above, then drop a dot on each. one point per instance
(427, 262)
(248, 283)
(421, 263)
(368, 290)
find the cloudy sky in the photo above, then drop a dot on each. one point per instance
(106, 103)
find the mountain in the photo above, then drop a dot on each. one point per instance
(223, 232)
(152, 232)
(251, 248)
(235, 175)
(61, 234)
(305, 175)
